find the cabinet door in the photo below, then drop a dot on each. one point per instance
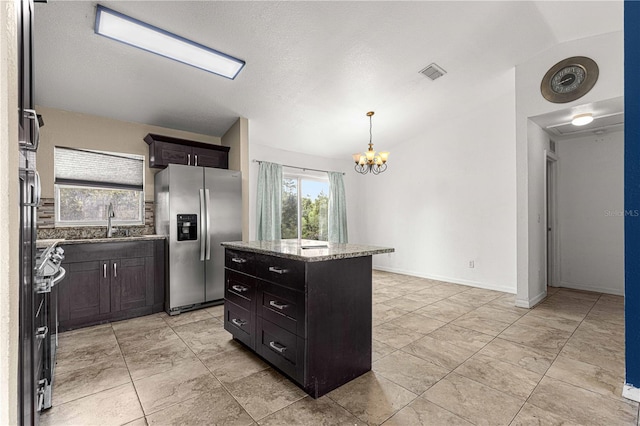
(132, 283)
(170, 153)
(86, 290)
(210, 158)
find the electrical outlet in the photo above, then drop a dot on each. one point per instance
(472, 264)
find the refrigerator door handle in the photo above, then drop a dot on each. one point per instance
(38, 189)
(203, 233)
(32, 116)
(208, 245)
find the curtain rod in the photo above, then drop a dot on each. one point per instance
(296, 167)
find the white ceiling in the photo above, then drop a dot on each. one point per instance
(313, 68)
(608, 117)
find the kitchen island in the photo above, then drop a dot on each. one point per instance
(303, 306)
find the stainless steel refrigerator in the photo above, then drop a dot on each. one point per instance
(197, 208)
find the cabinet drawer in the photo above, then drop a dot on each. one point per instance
(283, 349)
(281, 271)
(282, 306)
(239, 288)
(240, 261)
(239, 322)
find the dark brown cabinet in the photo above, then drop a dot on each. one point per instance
(85, 292)
(165, 150)
(310, 320)
(111, 281)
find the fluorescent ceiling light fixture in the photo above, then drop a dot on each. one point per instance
(582, 119)
(125, 29)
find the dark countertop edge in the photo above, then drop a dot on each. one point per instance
(48, 242)
(113, 239)
(319, 258)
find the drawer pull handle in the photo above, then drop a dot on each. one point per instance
(238, 260)
(239, 288)
(277, 305)
(277, 270)
(41, 332)
(278, 347)
(239, 322)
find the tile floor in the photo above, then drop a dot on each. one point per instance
(443, 354)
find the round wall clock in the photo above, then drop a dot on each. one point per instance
(569, 79)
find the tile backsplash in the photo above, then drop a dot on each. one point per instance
(48, 230)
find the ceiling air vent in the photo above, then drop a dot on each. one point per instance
(433, 71)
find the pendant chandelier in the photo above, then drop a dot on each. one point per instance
(369, 161)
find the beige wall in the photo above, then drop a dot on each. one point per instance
(72, 129)
(9, 216)
(237, 138)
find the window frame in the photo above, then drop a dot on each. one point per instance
(58, 223)
(299, 176)
(66, 224)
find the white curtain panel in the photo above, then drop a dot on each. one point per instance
(269, 202)
(337, 209)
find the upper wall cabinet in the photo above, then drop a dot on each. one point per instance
(165, 150)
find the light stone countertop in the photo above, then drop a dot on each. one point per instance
(307, 250)
(111, 240)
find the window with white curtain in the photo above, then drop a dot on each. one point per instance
(305, 200)
(87, 181)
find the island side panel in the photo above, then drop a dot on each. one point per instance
(339, 310)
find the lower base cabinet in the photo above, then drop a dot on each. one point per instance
(310, 320)
(281, 348)
(110, 281)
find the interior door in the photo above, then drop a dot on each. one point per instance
(551, 221)
(225, 219)
(186, 269)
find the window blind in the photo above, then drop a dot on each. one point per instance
(98, 169)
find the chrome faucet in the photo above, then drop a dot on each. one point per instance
(110, 214)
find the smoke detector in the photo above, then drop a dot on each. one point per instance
(433, 71)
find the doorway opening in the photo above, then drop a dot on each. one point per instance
(551, 219)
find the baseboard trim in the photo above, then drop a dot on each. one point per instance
(631, 392)
(530, 303)
(597, 289)
(470, 283)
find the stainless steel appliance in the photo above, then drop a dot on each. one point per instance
(28, 367)
(197, 208)
(31, 304)
(48, 273)
(39, 270)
